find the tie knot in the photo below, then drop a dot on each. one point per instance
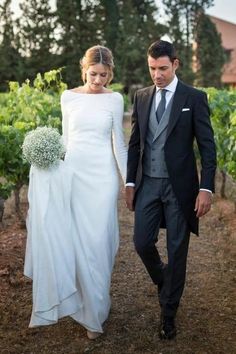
(163, 93)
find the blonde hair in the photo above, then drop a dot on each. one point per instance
(97, 55)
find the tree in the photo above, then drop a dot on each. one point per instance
(182, 19)
(210, 54)
(78, 28)
(110, 22)
(138, 28)
(36, 36)
(126, 27)
(10, 57)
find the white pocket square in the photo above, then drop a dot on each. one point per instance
(185, 109)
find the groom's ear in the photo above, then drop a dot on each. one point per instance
(176, 64)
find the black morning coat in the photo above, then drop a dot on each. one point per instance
(189, 120)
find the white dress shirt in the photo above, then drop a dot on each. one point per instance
(170, 90)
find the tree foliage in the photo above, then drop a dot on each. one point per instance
(138, 28)
(110, 22)
(43, 38)
(47, 38)
(209, 53)
(10, 58)
(25, 107)
(36, 37)
(182, 19)
(126, 27)
(78, 29)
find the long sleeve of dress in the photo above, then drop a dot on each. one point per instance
(65, 122)
(119, 145)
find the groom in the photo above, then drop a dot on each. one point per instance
(162, 179)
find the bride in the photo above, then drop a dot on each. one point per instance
(72, 222)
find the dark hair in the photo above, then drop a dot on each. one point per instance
(162, 49)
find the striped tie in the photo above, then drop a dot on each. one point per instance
(162, 106)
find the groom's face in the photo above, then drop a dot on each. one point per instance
(162, 70)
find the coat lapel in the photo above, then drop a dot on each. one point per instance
(145, 108)
(179, 100)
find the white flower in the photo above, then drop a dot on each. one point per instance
(43, 147)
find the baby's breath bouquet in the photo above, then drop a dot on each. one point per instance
(43, 147)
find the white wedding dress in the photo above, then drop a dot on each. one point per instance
(72, 221)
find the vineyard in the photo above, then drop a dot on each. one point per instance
(206, 316)
(35, 104)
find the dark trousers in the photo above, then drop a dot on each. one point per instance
(156, 199)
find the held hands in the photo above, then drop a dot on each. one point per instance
(203, 203)
(129, 198)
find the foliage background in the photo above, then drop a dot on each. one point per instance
(34, 45)
(42, 38)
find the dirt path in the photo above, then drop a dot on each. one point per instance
(206, 318)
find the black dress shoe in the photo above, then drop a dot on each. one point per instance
(167, 328)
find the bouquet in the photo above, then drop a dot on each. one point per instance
(43, 147)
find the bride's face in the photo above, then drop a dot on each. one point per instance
(96, 78)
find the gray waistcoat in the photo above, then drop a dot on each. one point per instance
(154, 160)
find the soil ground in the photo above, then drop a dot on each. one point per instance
(206, 318)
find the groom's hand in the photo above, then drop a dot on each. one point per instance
(129, 197)
(203, 203)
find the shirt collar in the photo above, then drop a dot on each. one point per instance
(171, 87)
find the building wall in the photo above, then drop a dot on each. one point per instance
(228, 37)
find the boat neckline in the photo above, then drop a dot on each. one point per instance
(85, 93)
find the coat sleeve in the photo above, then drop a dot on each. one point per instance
(119, 146)
(134, 146)
(205, 140)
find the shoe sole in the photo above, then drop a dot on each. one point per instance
(168, 336)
